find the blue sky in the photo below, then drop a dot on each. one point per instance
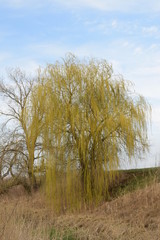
(125, 33)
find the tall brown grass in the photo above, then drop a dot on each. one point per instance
(135, 215)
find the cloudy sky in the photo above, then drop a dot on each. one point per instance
(125, 33)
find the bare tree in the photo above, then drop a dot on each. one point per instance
(23, 148)
(13, 160)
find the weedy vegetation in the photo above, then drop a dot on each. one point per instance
(66, 130)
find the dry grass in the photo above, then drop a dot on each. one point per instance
(133, 216)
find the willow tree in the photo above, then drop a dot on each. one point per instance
(92, 118)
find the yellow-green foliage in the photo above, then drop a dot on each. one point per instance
(90, 119)
(32, 124)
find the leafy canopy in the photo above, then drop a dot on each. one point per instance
(91, 118)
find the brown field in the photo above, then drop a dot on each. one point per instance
(134, 215)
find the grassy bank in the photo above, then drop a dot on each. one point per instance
(133, 212)
(130, 180)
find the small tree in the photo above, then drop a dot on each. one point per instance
(25, 122)
(92, 118)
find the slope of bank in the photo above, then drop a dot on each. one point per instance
(133, 214)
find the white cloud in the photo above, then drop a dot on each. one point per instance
(114, 5)
(126, 44)
(103, 5)
(153, 46)
(138, 50)
(150, 30)
(22, 3)
(103, 27)
(114, 23)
